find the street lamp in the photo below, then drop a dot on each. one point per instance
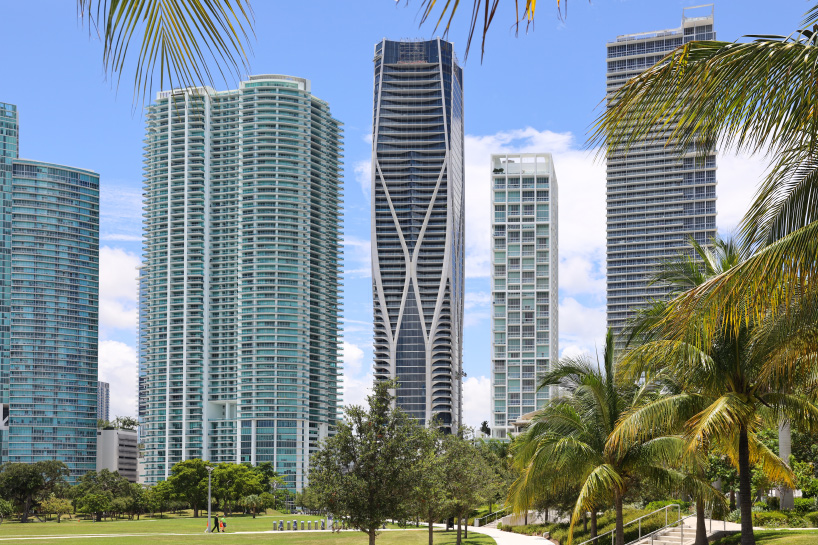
(209, 520)
(275, 487)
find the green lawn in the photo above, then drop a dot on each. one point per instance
(138, 532)
(775, 537)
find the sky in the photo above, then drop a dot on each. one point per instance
(538, 90)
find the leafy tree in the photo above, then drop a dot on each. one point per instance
(363, 472)
(25, 484)
(96, 504)
(158, 497)
(484, 428)
(125, 423)
(7, 509)
(103, 481)
(56, 506)
(188, 479)
(430, 495)
(467, 475)
(232, 482)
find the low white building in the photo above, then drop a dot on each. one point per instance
(117, 451)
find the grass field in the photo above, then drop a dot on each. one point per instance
(775, 537)
(186, 531)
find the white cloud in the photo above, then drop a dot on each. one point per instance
(738, 178)
(476, 299)
(583, 274)
(363, 175)
(120, 212)
(357, 257)
(352, 357)
(118, 367)
(356, 389)
(581, 327)
(117, 289)
(476, 396)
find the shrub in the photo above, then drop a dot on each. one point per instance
(734, 516)
(770, 519)
(654, 505)
(760, 506)
(804, 505)
(499, 525)
(773, 503)
(812, 518)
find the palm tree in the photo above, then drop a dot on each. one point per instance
(723, 392)
(189, 40)
(565, 444)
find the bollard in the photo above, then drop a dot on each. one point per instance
(280, 525)
(322, 525)
(295, 525)
(288, 525)
(309, 525)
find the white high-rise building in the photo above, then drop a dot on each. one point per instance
(418, 226)
(657, 197)
(524, 284)
(241, 276)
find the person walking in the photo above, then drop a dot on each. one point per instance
(224, 523)
(216, 523)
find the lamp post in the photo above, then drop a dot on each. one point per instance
(209, 520)
(275, 500)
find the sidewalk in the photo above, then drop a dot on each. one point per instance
(508, 538)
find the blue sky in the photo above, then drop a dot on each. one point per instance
(535, 92)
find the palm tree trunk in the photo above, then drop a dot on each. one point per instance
(701, 527)
(784, 451)
(620, 530)
(593, 522)
(745, 488)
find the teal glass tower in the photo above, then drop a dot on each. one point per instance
(241, 275)
(49, 265)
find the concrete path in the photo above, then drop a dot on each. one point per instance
(508, 538)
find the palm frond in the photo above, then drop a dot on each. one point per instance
(483, 12)
(602, 481)
(182, 38)
(753, 96)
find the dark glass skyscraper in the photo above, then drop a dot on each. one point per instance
(49, 266)
(418, 226)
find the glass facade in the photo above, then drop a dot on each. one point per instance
(417, 226)
(103, 401)
(524, 293)
(50, 394)
(241, 276)
(658, 196)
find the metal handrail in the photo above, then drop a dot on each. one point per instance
(484, 520)
(595, 540)
(654, 533)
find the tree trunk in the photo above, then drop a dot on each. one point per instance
(459, 521)
(745, 489)
(701, 527)
(466, 528)
(195, 512)
(584, 523)
(372, 536)
(593, 522)
(732, 499)
(620, 530)
(431, 532)
(784, 451)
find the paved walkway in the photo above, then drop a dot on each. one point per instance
(508, 538)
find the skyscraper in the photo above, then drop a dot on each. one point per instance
(242, 238)
(418, 226)
(524, 283)
(49, 300)
(103, 401)
(657, 197)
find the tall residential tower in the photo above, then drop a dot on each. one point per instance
(49, 302)
(418, 226)
(241, 270)
(658, 196)
(524, 284)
